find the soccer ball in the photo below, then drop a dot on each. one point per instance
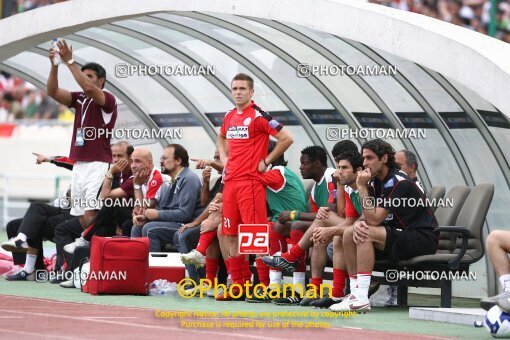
(498, 323)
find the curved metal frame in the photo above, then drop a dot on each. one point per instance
(240, 59)
(290, 60)
(370, 92)
(174, 89)
(154, 41)
(477, 120)
(441, 126)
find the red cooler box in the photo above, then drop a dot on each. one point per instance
(166, 266)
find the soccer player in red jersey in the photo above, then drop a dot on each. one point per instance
(242, 144)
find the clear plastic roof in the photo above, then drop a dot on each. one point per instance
(466, 139)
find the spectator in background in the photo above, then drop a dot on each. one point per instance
(48, 109)
(13, 106)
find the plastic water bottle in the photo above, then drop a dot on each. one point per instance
(56, 56)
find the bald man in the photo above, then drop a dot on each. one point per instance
(149, 183)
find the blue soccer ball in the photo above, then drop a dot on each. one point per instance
(498, 322)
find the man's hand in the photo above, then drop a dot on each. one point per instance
(40, 158)
(363, 178)
(323, 235)
(151, 214)
(137, 210)
(52, 55)
(206, 175)
(119, 167)
(208, 225)
(284, 216)
(187, 226)
(66, 52)
(201, 163)
(141, 177)
(139, 220)
(360, 234)
(262, 166)
(323, 213)
(214, 206)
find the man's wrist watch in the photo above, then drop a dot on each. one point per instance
(70, 61)
(137, 187)
(109, 175)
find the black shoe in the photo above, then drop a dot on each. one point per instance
(57, 278)
(325, 302)
(15, 245)
(279, 262)
(21, 276)
(262, 296)
(307, 301)
(289, 299)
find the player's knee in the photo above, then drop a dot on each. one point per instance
(279, 228)
(493, 238)
(347, 238)
(299, 225)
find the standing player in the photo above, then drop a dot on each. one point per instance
(95, 109)
(242, 144)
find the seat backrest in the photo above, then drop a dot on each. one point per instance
(446, 215)
(435, 193)
(472, 216)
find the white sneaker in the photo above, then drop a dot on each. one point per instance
(67, 284)
(193, 257)
(351, 304)
(15, 245)
(71, 247)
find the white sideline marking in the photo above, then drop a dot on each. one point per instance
(110, 317)
(38, 335)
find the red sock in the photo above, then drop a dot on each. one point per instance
(301, 264)
(317, 281)
(205, 240)
(263, 271)
(211, 269)
(295, 254)
(236, 269)
(338, 282)
(247, 271)
(227, 265)
(277, 242)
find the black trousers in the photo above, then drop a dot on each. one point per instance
(107, 220)
(65, 233)
(39, 223)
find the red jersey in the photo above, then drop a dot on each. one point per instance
(95, 149)
(350, 209)
(247, 134)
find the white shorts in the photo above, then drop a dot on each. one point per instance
(85, 185)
